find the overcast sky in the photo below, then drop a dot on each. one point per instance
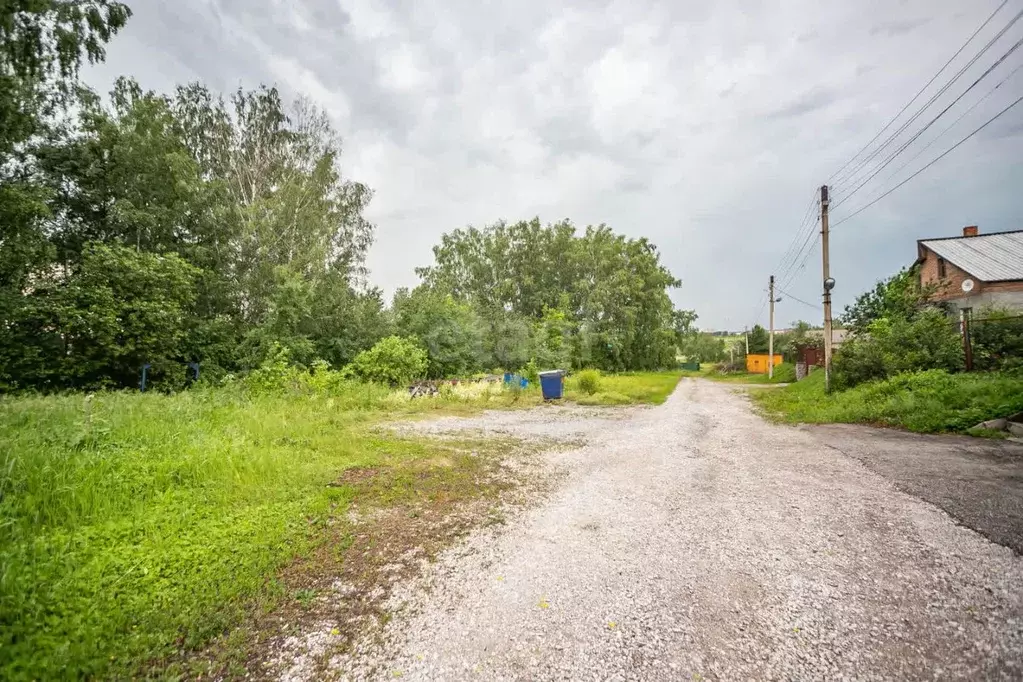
(705, 126)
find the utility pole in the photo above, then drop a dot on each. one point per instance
(745, 333)
(829, 284)
(770, 340)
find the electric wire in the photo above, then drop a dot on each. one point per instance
(921, 91)
(931, 163)
(891, 138)
(924, 129)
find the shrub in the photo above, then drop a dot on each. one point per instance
(997, 336)
(393, 360)
(531, 372)
(588, 381)
(930, 340)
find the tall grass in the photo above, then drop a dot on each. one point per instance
(927, 402)
(135, 525)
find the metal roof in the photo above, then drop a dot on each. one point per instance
(995, 257)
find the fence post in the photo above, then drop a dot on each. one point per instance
(967, 343)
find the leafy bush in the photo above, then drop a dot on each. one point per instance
(588, 381)
(997, 336)
(393, 360)
(929, 340)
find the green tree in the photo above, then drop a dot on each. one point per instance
(899, 296)
(394, 361)
(450, 331)
(612, 290)
(702, 347)
(758, 340)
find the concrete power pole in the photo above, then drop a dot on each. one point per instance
(770, 338)
(829, 284)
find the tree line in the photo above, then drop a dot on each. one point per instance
(158, 229)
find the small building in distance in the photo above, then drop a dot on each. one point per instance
(974, 270)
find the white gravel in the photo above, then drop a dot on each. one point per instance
(695, 541)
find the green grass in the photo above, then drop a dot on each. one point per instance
(137, 528)
(626, 389)
(133, 526)
(927, 402)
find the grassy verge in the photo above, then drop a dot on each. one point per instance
(134, 527)
(626, 389)
(926, 402)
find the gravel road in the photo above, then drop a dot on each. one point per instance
(696, 541)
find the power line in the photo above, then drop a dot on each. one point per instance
(808, 244)
(792, 253)
(917, 95)
(952, 125)
(799, 300)
(789, 253)
(891, 138)
(920, 132)
(932, 162)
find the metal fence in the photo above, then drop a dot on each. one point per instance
(992, 343)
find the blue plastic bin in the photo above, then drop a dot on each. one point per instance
(552, 384)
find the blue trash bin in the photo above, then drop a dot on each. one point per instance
(507, 377)
(552, 384)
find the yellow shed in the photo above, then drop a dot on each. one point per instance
(756, 363)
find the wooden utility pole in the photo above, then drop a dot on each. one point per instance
(770, 339)
(967, 341)
(828, 285)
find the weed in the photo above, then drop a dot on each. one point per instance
(588, 381)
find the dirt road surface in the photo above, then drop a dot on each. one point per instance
(693, 541)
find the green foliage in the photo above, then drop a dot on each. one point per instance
(551, 333)
(997, 337)
(927, 401)
(611, 290)
(759, 340)
(531, 371)
(392, 361)
(703, 347)
(588, 381)
(506, 340)
(898, 297)
(248, 194)
(133, 527)
(450, 331)
(930, 340)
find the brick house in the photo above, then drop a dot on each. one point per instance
(975, 270)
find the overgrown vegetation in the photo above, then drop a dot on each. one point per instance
(904, 366)
(928, 401)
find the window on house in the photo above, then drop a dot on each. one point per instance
(941, 267)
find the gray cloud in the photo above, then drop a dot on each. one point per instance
(704, 126)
